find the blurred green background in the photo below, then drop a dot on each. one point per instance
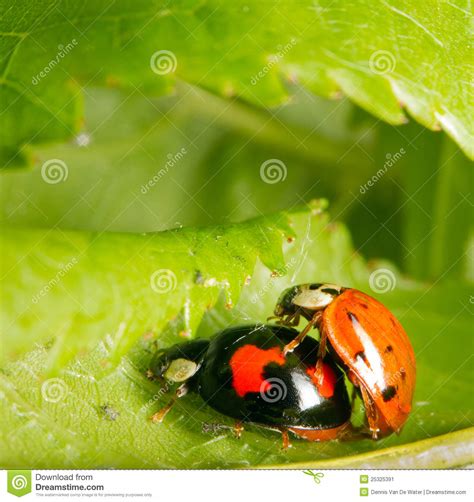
(205, 152)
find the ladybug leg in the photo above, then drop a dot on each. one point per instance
(289, 320)
(290, 347)
(294, 320)
(159, 416)
(285, 439)
(318, 372)
(371, 412)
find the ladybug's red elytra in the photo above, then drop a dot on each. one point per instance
(366, 339)
(243, 372)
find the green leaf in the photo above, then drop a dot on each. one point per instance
(199, 166)
(133, 176)
(414, 213)
(441, 452)
(412, 54)
(95, 410)
(75, 288)
(435, 206)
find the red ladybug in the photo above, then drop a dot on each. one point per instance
(243, 373)
(366, 338)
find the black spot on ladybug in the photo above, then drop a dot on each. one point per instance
(361, 355)
(388, 393)
(352, 317)
(330, 291)
(388, 348)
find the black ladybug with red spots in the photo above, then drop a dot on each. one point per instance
(243, 373)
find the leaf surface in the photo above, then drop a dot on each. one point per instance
(94, 411)
(387, 57)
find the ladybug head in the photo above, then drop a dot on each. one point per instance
(285, 305)
(179, 362)
(311, 297)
